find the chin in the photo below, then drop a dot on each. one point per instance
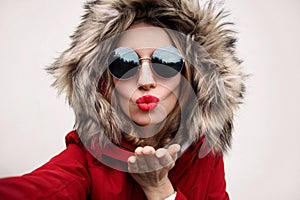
(151, 121)
(142, 122)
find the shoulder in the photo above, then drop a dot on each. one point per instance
(73, 138)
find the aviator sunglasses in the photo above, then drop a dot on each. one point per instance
(124, 63)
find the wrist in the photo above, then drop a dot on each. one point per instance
(160, 192)
(172, 196)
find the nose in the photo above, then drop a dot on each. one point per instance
(146, 79)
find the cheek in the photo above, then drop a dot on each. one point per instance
(124, 88)
(171, 90)
(170, 101)
(172, 85)
(172, 94)
(122, 93)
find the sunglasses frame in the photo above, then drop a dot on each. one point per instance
(147, 58)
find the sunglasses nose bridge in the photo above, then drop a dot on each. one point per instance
(144, 58)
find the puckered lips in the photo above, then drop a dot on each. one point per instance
(147, 103)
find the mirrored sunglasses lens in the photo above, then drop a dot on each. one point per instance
(123, 63)
(167, 62)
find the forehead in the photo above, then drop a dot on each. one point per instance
(144, 36)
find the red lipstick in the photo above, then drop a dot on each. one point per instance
(147, 103)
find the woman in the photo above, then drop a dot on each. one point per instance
(153, 85)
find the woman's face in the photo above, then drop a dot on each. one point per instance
(146, 98)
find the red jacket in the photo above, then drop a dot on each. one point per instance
(76, 174)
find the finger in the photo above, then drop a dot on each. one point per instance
(132, 164)
(138, 150)
(152, 161)
(148, 150)
(141, 162)
(173, 150)
(163, 157)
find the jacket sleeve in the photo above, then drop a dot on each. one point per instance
(64, 177)
(217, 185)
(180, 195)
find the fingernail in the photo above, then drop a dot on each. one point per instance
(139, 150)
(132, 159)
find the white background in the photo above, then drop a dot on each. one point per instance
(264, 162)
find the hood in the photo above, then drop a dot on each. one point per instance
(217, 78)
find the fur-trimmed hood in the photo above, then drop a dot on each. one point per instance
(217, 79)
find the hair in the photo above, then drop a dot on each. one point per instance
(198, 30)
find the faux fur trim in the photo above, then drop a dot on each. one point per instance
(218, 80)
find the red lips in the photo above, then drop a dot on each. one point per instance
(147, 102)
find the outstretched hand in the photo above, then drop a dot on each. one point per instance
(150, 168)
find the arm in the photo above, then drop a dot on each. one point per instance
(64, 176)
